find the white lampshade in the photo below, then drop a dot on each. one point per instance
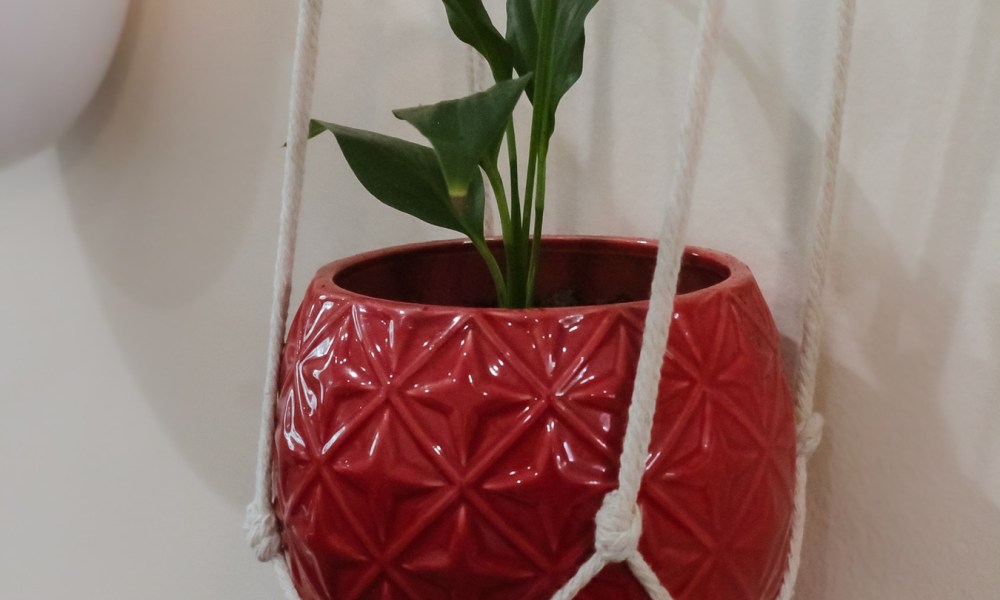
(53, 55)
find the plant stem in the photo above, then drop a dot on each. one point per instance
(496, 182)
(536, 238)
(516, 258)
(515, 194)
(494, 267)
(522, 239)
(529, 184)
(540, 135)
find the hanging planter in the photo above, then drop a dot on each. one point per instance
(429, 448)
(464, 420)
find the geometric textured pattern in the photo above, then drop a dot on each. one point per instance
(432, 452)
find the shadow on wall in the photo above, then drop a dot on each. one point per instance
(889, 484)
(162, 193)
(162, 188)
(143, 165)
(573, 158)
(890, 503)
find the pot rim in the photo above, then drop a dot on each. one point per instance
(735, 274)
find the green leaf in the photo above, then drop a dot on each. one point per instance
(569, 38)
(316, 128)
(407, 177)
(522, 36)
(466, 131)
(472, 24)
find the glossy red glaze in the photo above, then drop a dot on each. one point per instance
(427, 449)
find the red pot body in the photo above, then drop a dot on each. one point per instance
(430, 449)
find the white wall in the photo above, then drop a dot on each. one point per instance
(135, 267)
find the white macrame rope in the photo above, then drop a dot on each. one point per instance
(809, 422)
(618, 525)
(261, 522)
(819, 254)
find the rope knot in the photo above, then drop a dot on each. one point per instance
(619, 527)
(810, 434)
(262, 531)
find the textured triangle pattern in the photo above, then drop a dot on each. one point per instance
(462, 454)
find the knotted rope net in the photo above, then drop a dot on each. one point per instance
(618, 524)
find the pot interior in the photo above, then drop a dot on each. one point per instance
(573, 272)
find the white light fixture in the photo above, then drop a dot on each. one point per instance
(53, 55)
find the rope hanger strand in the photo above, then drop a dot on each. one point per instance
(261, 523)
(619, 521)
(810, 423)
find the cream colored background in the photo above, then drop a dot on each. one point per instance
(135, 269)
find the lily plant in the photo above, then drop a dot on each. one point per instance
(540, 57)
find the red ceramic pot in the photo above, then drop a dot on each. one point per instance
(429, 447)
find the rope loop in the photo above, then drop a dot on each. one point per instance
(262, 531)
(619, 527)
(810, 434)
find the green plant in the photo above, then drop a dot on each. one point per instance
(540, 57)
